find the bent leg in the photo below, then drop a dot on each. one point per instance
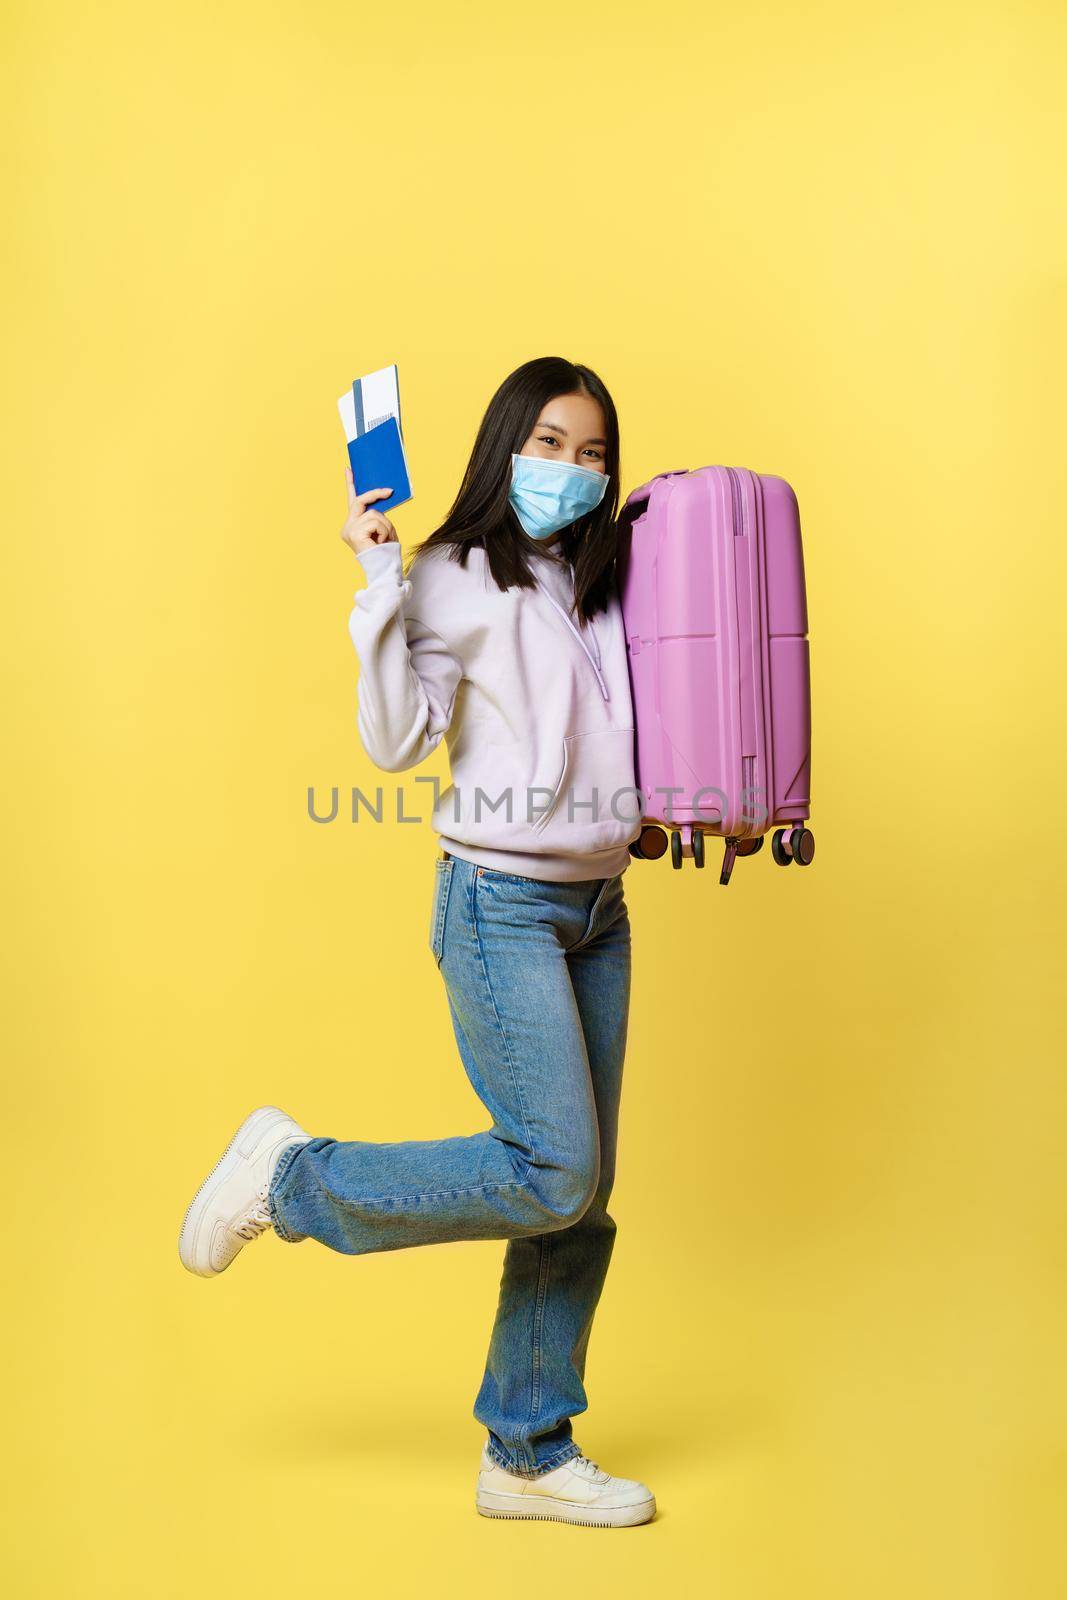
(532, 1171)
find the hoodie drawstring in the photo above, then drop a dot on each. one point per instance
(594, 662)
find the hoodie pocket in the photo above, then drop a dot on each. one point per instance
(595, 803)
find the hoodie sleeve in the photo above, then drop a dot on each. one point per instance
(408, 677)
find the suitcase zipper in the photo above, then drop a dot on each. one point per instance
(735, 491)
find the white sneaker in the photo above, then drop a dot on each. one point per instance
(230, 1206)
(578, 1491)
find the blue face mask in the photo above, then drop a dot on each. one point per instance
(548, 495)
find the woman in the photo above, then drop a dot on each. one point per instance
(505, 638)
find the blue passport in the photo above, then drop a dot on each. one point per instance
(378, 462)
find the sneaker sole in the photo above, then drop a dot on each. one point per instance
(492, 1504)
(230, 1159)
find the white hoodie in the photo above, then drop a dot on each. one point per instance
(535, 710)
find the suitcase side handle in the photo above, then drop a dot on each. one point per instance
(637, 498)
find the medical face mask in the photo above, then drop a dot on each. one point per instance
(547, 495)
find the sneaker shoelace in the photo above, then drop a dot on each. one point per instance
(589, 1469)
(257, 1219)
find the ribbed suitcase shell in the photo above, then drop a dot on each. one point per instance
(711, 573)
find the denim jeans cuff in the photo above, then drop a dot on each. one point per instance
(566, 1452)
(281, 1167)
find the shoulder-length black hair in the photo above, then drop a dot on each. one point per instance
(481, 514)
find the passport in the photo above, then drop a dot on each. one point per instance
(370, 416)
(378, 461)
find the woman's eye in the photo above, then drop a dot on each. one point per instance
(548, 438)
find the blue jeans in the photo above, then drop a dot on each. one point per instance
(537, 976)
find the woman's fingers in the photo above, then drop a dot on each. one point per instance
(361, 500)
(364, 527)
(368, 528)
(364, 499)
(379, 527)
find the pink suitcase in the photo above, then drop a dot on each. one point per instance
(711, 579)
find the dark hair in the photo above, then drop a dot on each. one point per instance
(481, 513)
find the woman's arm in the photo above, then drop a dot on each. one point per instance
(408, 676)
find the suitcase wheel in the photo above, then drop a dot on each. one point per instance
(676, 848)
(649, 845)
(793, 844)
(802, 841)
(698, 848)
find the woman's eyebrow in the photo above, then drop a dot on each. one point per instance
(555, 428)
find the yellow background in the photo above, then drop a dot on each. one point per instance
(825, 241)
